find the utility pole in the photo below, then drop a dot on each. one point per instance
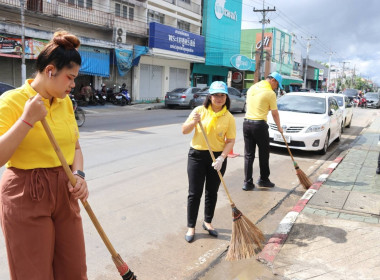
(307, 57)
(23, 66)
(263, 21)
(343, 74)
(328, 77)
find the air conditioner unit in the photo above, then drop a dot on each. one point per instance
(119, 35)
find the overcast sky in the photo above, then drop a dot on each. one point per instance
(350, 28)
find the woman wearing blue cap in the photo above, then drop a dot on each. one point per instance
(221, 132)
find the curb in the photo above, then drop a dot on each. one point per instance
(274, 244)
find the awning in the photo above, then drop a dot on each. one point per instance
(289, 80)
(95, 61)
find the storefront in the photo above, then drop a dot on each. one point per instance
(167, 66)
(221, 28)
(95, 61)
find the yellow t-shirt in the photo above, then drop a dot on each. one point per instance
(260, 100)
(35, 150)
(225, 128)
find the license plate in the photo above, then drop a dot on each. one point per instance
(278, 137)
(118, 97)
(172, 97)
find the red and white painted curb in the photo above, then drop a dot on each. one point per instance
(274, 244)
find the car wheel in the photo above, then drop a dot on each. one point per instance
(340, 133)
(244, 108)
(192, 105)
(349, 124)
(325, 145)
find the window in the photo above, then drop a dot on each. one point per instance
(89, 4)
(155, 17)
(71, 2)
(183, 25)
(131, 13)
(125, 12)
(62, 1)
(117, 9)
(186, 1)
(81, 3)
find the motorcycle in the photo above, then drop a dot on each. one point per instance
(100, 97)
(80, 117)
(362, 102)
(123, 97)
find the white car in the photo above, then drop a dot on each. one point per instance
(310, 121)
(346, 106)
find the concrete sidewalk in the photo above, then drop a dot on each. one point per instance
(333, 232)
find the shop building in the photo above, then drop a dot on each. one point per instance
(278, 55)
(221, 28)
(100, 25)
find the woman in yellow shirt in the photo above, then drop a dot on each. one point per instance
(221, 132)
(40, 214)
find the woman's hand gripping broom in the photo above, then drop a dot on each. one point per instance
(304, 180)
(246, 237)
(121, 266)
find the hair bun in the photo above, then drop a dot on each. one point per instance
(66, 40)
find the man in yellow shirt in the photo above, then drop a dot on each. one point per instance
(261, 99)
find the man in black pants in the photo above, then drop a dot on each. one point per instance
(260, 99)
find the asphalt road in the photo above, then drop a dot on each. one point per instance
(135, 163)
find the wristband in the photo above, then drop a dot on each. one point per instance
(24, 121)
(80, 173)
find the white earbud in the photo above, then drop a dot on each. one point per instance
(49, 74)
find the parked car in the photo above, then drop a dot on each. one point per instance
(351, 93)
(373, 99)
(346, 106)
(180, 97)
(244, 92)
(5, 87)
(310, 121)
(236, 98)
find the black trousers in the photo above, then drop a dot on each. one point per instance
(256, 133)
(199, 171)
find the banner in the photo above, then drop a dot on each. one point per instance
(125, 59)
(12, 47)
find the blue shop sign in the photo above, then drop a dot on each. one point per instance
(241, 62)
(177, 40)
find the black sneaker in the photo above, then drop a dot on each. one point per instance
(265, 183)
(248, 187)
(378, 170)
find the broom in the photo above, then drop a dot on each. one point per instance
(121, 266)
(304, 180)
(246, 237)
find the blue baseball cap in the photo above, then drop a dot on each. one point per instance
(218, 87)
(278, 78)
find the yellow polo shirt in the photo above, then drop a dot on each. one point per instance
(260, 100)
(225, 129)
(35, 150)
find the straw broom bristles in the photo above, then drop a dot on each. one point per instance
(245, 239)
(304, 180)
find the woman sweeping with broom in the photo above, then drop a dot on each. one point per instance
(40, 215)
(202, 172)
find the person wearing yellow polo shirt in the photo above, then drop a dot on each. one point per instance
(261, 99)
(202, 173)
(39, 212)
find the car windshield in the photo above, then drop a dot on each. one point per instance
(339, 99)
(350, 92)
(372, 95)
(177, 90)
(302, 104)
(204, 90)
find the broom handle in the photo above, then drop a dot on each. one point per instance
(290, 153)
(73, 181)
(213, 159)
